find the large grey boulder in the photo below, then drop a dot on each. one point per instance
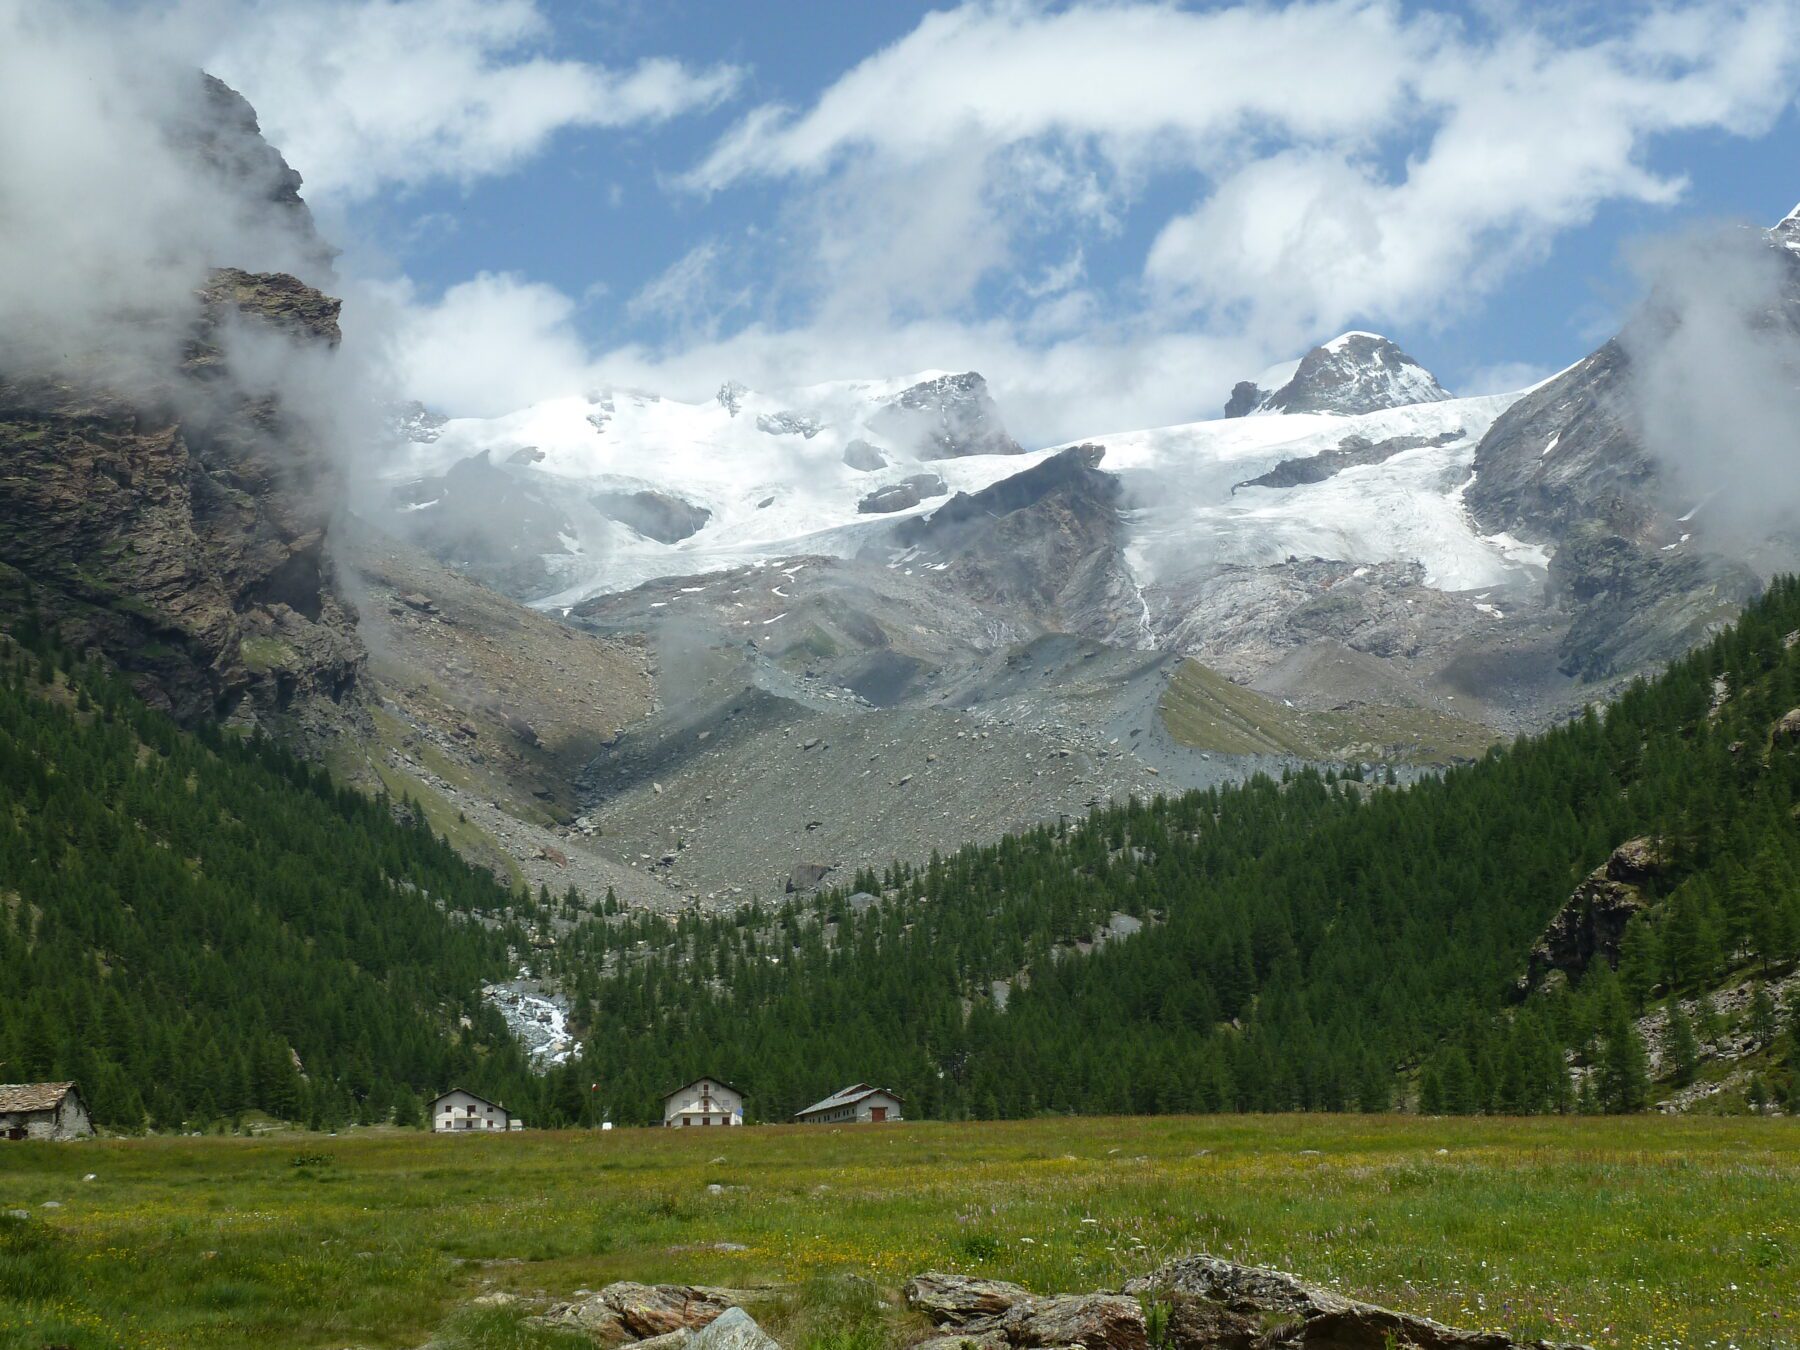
(628, 1311)
(734, 1329)
(1220, 1303)
(959, 1300)
(1096, 1321)
(1212, 1305)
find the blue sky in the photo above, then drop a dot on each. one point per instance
(1113, 209)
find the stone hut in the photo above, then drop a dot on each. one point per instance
(43, 1111)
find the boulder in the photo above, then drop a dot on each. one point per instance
(1219, 1303)
(632, 1312)
(1787, 730)
(1213, 1305)
(1097, 1321)
(991, 1339)
(733, 1329)
(961, 1300)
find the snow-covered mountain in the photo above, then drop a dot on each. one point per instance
(1353, 373)
(584, 495)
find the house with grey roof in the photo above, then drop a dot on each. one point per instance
(43, 1111)
(859, 1104)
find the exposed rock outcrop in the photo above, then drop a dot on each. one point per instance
(162, 504)
(1048, 540)
(180, 527)
(1568, 467)
(628, 1312)
(902, 496)
(1591, 924)
(1215, 1303)
(1211, 1305)
(864, 457)
(1787, 730)
(1351, 452)
(995, 1314)
(1245, 396)
(945, 418)
(661, 516)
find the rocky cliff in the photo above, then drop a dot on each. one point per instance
(174, 516)
(1642, 573)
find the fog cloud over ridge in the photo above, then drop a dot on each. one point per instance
(1715, 388)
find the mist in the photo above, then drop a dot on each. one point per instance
(124, 182)
(1716, 377)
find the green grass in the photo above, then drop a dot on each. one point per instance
(266, 653)
(1205, 710)
(1630, 1232)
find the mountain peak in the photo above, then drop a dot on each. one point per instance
(1355, 372)
(1788, 231)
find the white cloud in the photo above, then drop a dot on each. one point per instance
(361, 94)
(963, 197)
(1357, 160)
(486, 347)
(1528, 139)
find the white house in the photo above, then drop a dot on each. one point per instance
(705, 1101)
(43, 1111)
(861, 1104)
(457, 1111)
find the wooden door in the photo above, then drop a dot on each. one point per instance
(877, 1114)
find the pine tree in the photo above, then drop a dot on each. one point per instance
(1680, 1049)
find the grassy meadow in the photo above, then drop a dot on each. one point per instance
(1635, 1231)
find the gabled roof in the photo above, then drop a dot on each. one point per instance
(450, 1092)
(847, 1097)
(700, 1078)
(34, 1096)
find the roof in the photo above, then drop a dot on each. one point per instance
(700, 1078)
(847, 1097)
(465, 1092)
(34, 1096)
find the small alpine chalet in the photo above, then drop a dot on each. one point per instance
(458, 1112)
(705, 1101)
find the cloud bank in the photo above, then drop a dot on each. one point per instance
(366, 94)
(1292, 170)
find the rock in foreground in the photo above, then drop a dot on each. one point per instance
(626, 1312)
(1213, 1305)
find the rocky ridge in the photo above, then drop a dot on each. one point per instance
(173, 515)
(181, 527)
(1636, 570)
